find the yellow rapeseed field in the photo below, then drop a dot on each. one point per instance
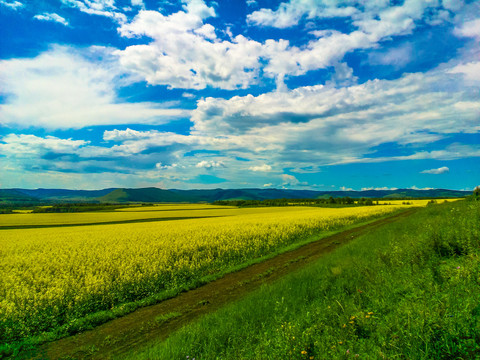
(417, 202)
(53, 276)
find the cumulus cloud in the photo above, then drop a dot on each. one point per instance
(128, 134)
(186, 53)
(288, 14)
(165, 167)
(469, 29)
(289, 180)
(357, 112)
(14, 5)
(27, 145)
(64, 88)
(441, 170)
(51, 17)
(210, 164)
(375, 18)
(471, 70)
(261, 168)
(139, 3)
(105, 8)
(328, 125)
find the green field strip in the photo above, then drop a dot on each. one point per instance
(37, 226)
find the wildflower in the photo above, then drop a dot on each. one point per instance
(370, 313)
(458, 267)
(367, 316)
(340, 342)
(344, 325)
(304, 352)
(351, 322)
(352, 317)
(348, 351)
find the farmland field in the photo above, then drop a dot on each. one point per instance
(52, 277)
(406, 290)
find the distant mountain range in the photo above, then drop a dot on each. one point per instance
(151, 194)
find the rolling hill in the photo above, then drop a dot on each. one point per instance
(152, 194)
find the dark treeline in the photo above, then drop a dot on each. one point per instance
(327, 202)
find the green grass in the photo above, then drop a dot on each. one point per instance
(409, 290)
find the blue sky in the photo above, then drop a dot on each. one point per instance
(306, 94)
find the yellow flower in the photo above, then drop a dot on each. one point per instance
(304, 352)
(367, 316)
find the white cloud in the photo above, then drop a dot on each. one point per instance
(453, 5)
(261, 168)
(441, 170)
(138, 3)
(122, 135)
(289, 180)
(469, 29)
(398, 57)
(289, 13)
(28, 145)
(451, 152)
(165, 167)
(14, 5)
(185, 52)
(319, 125)
(379, 188)
(64, 88)
(105, 8)
(198, 8)
(51, 17)
(209, 164)
(188, 95)
(471, 70)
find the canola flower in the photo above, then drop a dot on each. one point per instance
(52, 276)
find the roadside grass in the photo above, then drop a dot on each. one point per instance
(408, 290)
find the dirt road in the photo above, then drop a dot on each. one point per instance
(157, 322)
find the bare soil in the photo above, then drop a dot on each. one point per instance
(155, 323)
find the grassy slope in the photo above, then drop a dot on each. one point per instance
(408, 291)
